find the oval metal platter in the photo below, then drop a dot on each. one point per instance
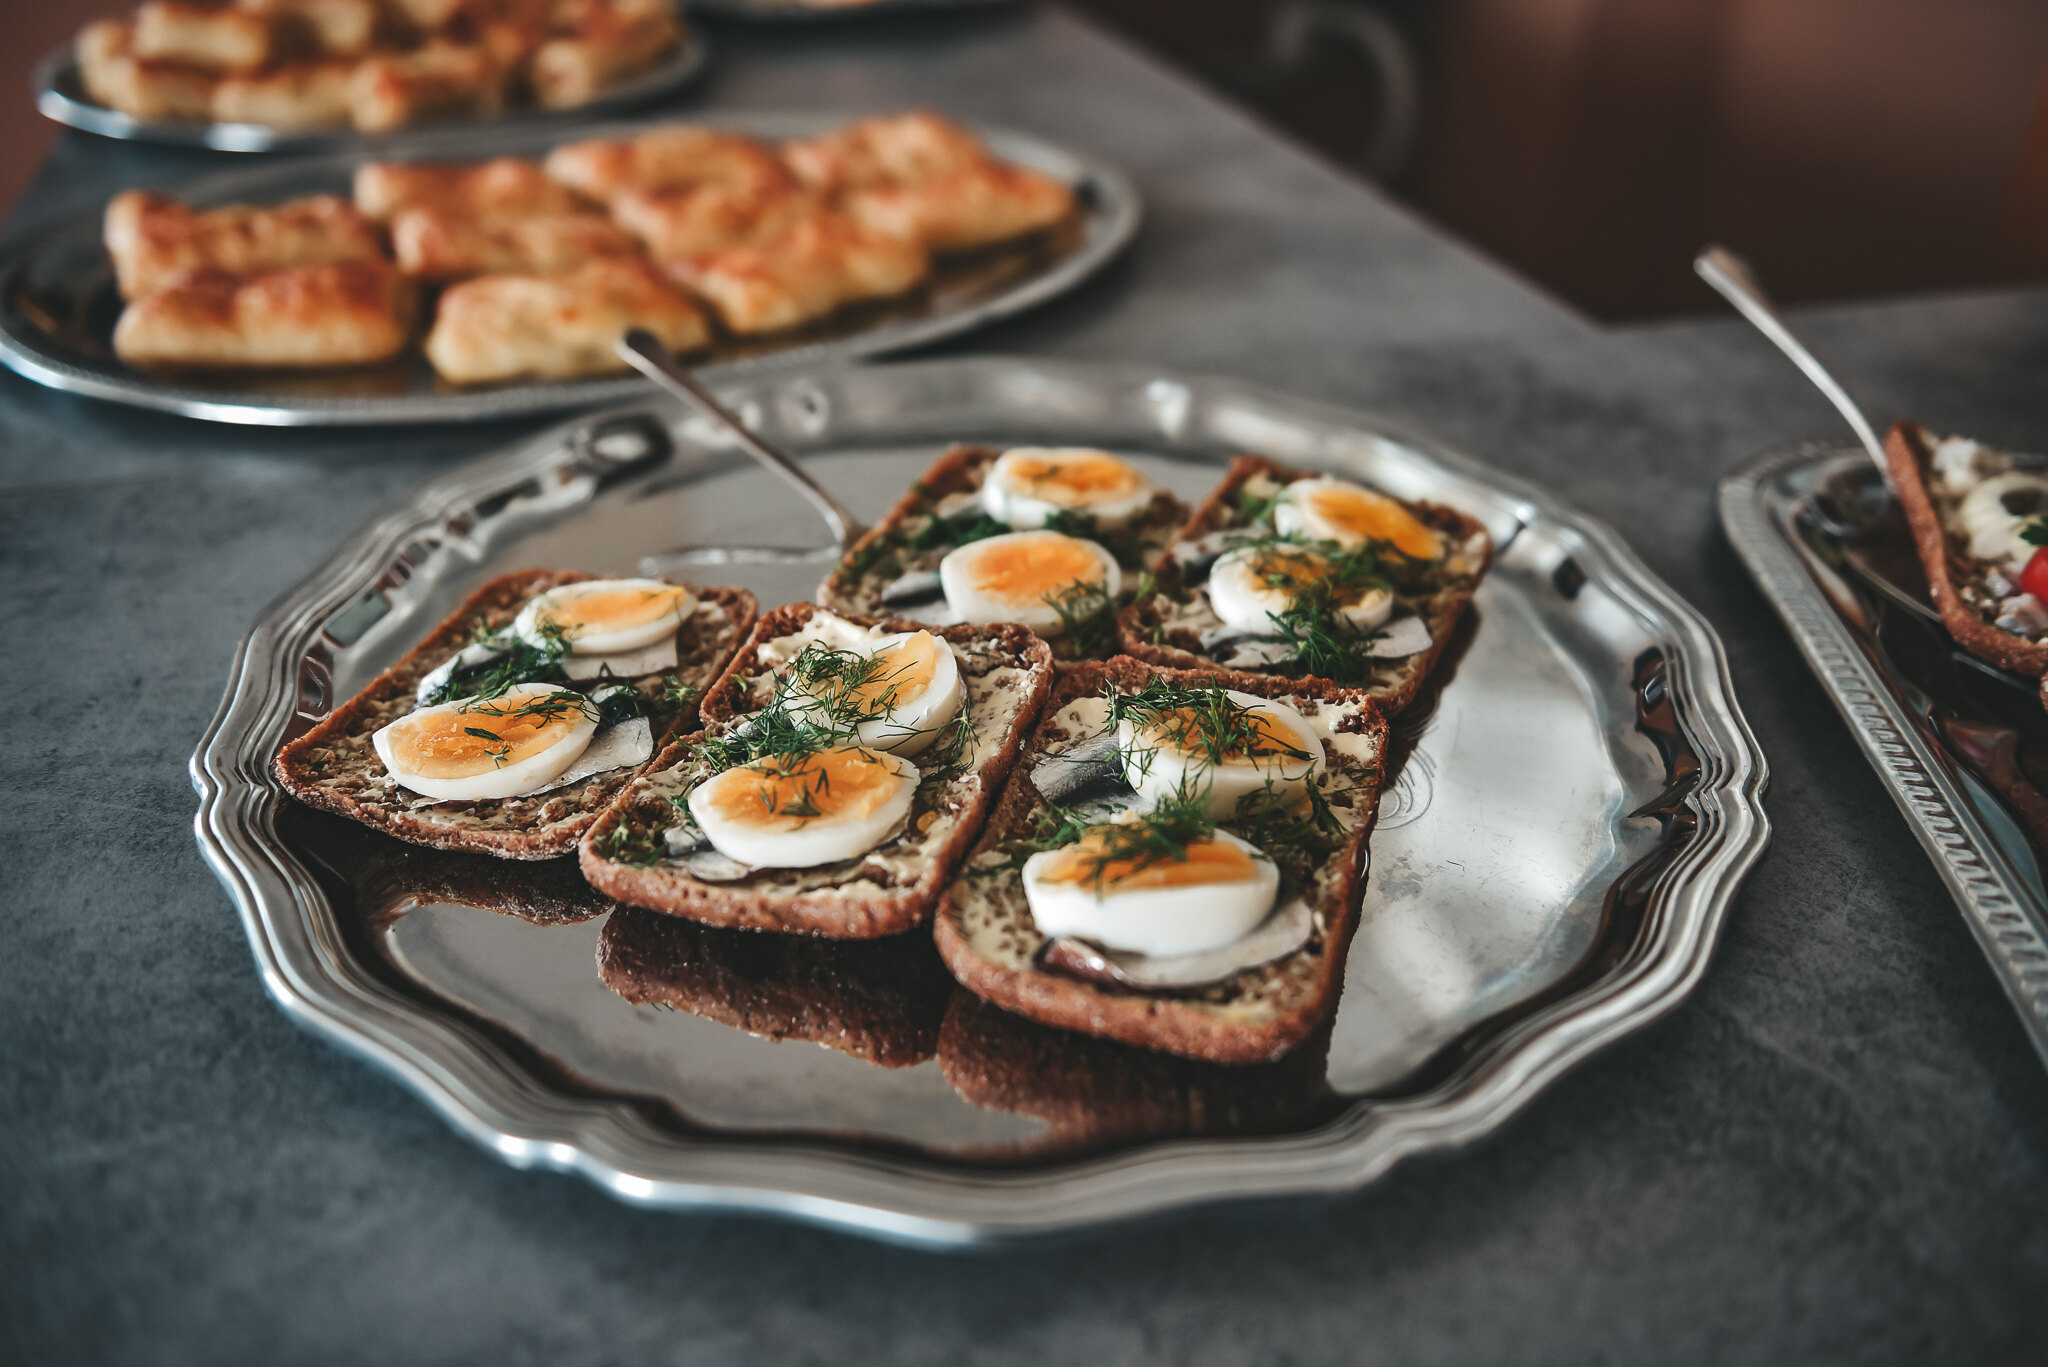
(58, 304)
(1573, 805)
(60, 96)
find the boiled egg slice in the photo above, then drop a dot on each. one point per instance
(1235, 744)
(904, 689)
(1327, 509)
(477, 749)
(1250, 586)
(1027, 486)
(801, 810)
(1219, 890)
(1022, 576)
(605, 616)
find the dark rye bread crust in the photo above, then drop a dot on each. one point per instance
(1146, 634)
(854, 587)
(1908, 453)
(878, 1000)
(1254, 1017)
(334, 768)
(861, 902)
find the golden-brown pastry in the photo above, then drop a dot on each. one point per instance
(608, 42)
(209, 36)
(677, 155)
(500, 327)
(292, 96)
(441, 78)
(500, 186)
(152, 91)
(802, 274)
(427, 16)
(441, 244)
(972, 206)
(691, 220)
(338, 28)
(152, 237)
(343, 313)
(889, 149)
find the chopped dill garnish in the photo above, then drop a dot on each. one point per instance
(624, 845)
(1199, 720)
(1141, 839)
(1087, 616)
(1297, 833)
(676, 694)
(522, 662)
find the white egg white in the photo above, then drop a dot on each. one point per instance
(1242, 597)
(902, 716)
(1994, 530)
(1160, 769)
(1025, 503)
(780, 841)
(598, 638)
(972, 604)
(1182, 919)
(485, 779)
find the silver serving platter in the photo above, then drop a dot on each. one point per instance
(60, 96)
(58, 303)
(1831, 551)
(1575, 807)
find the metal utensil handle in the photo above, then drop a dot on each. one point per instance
(643, 351)
(1732, 277)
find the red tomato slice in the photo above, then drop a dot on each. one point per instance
(2034, 578)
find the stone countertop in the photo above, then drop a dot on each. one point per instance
(1834, 1151)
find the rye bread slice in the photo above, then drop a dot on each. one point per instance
(1007, 671)
(1954, 576)
(878, 1000)
(333, 766)
(855, 586)
(1165, 626)
(988, 939)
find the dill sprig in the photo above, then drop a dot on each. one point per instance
(1087, 615)
(522, 662)
(628, 845)
(1143, 839)
(1200, 720)
(1298, 833)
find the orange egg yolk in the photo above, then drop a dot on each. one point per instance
(1088, 860)
(901, 672)
(476, 740)
(1073, 481)
(1368, 516)
(611, 609)
(1252, 735)
(1295, 571)
(1031, 568)
(793, 789)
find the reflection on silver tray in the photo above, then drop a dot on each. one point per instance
(1961, 745)
(60, 95)
(58, 304)
(1573, 809)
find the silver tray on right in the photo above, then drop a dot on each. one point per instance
(1961, 745)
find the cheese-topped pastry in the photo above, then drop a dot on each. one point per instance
(676, 155)
(439, 244)
(441, 78)
(152, 238)
(295, 95)
(116, 77)
(681, 221)
(344, 313)
(499, 188)
(967, 207)
(890, 149)
(605, 42)
(339, 28)
(498, 327)
(216, 37)
(802, 274)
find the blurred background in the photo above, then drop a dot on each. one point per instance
(1850, 147)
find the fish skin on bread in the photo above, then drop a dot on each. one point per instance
(1147, 632)
(334, 767)
(1908, 451)
(868, 900)
(988, 939)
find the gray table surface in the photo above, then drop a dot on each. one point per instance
(1834, 1152)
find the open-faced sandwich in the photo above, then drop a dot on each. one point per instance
(877, 1000)
(1054, 538)
(1305, 576)
(843, 769)
(1980, 524)
(521, 717)
(1176, 862)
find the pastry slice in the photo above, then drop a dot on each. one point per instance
(336, 28)
(500, 187)
(442, 245)
(439, 80)
(345, 313)
(296, 95)
(522, 715)
(844, 766)
(681, 221)
(214, 37)
(1176, 862)
(890, 149)
(1298, 575)
(151, 91)
(1979, 519)
(968, 207)
(500, 327)
(153, 238)
(980, 514)
(806, 272)
(674, 155)
(605, 43)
